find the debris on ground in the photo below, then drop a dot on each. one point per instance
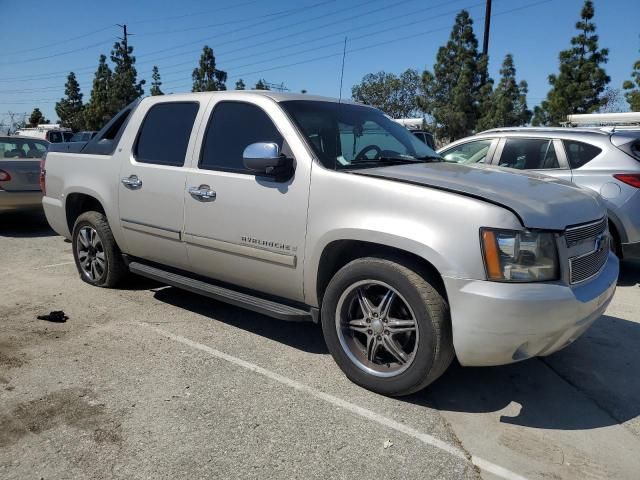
(57, 316)
(387, 444)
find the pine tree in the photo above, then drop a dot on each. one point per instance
(124, 85)
(98, 111)
(207, 78)
(632, 88)
(262, 85)
(508, 103)
(394, 95)
(70, 108)
(459, 87)
(579, 86)
(37, 118)
(155, 84)
(240, 85)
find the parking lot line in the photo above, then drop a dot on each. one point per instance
(55, 265)
(425, 438)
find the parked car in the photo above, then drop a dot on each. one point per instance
(52, 133)
(605, 160)
(82, 136)
(415, 126)
(20, 173)
(307, 209)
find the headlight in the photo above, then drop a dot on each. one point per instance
(519, 256)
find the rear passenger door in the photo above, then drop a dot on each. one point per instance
(541, 155)
(152, 179)
(250, 231)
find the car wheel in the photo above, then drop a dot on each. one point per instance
(97, 256)
(387, 326)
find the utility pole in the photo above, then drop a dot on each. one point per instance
(125, 39)
(487, 27)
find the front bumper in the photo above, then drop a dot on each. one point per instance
(499, 323)
(631, 251)
(23, 200)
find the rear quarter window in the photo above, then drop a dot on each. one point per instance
(580, 153)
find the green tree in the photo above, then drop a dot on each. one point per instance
(508, 103)
(155, 83)
(37, 118)
(98, 111)
(240, 85)
(207, 78)
(459, 87)
(262, 85)
(582, 80)
(125, 87)
(632, 88)
(70, 109)
(394, 95)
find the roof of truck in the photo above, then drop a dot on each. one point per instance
(275, 96)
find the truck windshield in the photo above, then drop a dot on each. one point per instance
(347, 136)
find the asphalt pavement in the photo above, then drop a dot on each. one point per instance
(148, 381)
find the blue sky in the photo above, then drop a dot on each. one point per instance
(42, 42)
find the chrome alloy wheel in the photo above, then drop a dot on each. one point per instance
(377, 328)
(90, 252)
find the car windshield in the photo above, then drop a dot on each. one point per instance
(347, 136)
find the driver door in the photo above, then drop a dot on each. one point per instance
(250, 231)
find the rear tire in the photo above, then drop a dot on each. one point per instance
(387, 326)
(97, 256)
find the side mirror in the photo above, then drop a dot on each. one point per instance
(264, 158)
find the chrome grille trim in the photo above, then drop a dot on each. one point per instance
(587, 266)
(580, 233)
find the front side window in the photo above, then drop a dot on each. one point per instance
(164, 134)
(348, 136)
(468, 153)
(234, 126)
(579, 153)
(55, 137)
(529, 154)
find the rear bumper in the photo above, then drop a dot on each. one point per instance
(631, 251)
(29, 200)
(499, 323)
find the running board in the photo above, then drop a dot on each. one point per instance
(239, 299)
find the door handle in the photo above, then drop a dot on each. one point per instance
(132, 182)
(202, 193)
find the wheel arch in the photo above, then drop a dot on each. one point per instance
(337, 253)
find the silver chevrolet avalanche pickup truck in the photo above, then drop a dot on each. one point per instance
(306, 208)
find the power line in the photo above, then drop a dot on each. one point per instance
(89, 68)
(245, 74)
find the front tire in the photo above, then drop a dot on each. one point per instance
(97, 256)
(387, 326)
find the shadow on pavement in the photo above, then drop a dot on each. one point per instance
(601, 364)
(629, 274)
(545, 393)
(303, 336)
(24, 225)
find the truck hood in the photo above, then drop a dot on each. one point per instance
(539, 201)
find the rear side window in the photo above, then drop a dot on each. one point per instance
(164, 134)
(579, 153)
(55, 137)
(529, 154)
(232, 128)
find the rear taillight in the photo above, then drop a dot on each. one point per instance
(4, 176)
(43, 175)
(632, 179)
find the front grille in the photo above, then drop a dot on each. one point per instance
(575, 235)
(586, 266)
